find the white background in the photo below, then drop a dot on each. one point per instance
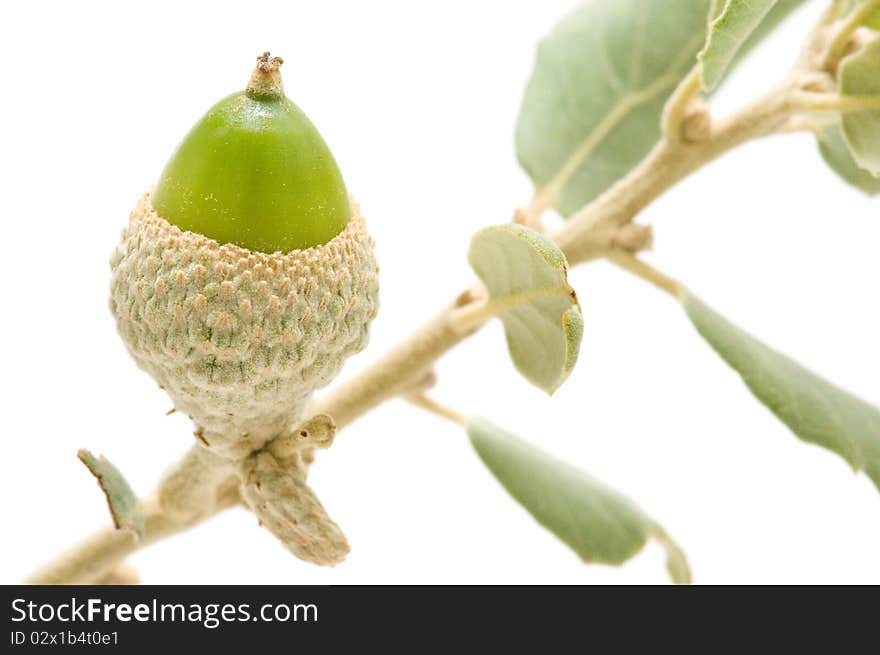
(418, 102)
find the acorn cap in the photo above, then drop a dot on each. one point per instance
(240, 339)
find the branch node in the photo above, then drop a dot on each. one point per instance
(696, 124)
(633, 237)
(816, 82)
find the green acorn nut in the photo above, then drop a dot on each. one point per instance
(244, 281)
(255, 172)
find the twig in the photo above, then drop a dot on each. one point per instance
(92, 561)
(393, 374)
(588, 232)
(586, 237)
(547, 196)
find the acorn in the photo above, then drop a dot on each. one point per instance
(246, 277)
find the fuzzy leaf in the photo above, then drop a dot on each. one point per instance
(815, 410)
(526, 276)
(123, 504)
(275, 490)
(836, 154)
(860, 76)
(780, 11)
(592, 107)
(598, 523)
(728, 32)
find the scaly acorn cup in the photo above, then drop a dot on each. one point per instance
(244, 281)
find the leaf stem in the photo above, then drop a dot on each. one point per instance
(640, 268)
(468, 318)
(838, 43)
(810, 101)
(679, 103)
(438, 409)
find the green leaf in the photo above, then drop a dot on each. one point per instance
(592, 107)
(526, 276)
(727, 34)
(124, 506)
(815, 410)
(836, 154)
(780, 11)
(598, 523)
(737, 26)
(860, 76)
